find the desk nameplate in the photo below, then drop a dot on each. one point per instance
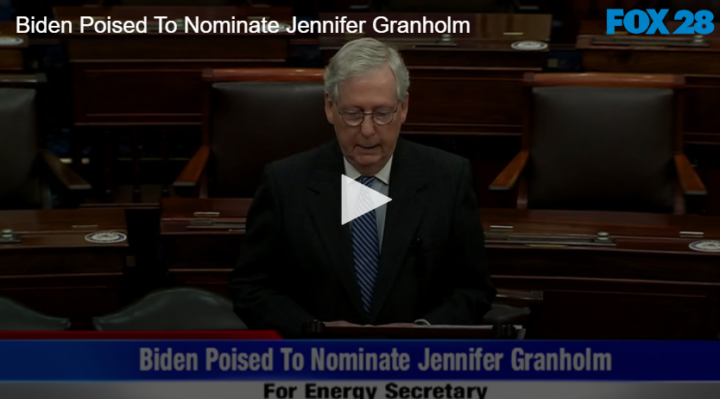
(652, 41)
(216, 224)
(519, 239)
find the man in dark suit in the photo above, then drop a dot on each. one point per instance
(417, 260)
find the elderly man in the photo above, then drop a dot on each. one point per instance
(417, 260)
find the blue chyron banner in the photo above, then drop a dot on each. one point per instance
(238, 369)
(242, 360)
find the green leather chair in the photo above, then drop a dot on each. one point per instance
(174, 309)
(16, 317)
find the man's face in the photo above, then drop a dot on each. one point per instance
(367, 146)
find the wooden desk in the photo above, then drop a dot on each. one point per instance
(657, 54)
(480, 65)
(624, 52)
(12, 48)
(648, 284)
(149, 86)
(55, 270)
(154, 78)
(202, 256)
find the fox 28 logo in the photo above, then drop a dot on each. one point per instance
(651, 21)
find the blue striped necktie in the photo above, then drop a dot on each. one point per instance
(365, 245)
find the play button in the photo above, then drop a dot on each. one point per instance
(358, 200)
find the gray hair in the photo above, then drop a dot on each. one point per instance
(362, 57)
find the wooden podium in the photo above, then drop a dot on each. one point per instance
(318, 329)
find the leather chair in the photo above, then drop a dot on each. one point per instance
(174, 309)
(253, 117)
(604, 142)
(16, 317)
(28, 172)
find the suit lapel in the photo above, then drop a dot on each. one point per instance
(402, 219)
(324, 207)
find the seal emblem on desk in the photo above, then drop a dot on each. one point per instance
(106, 237)
(705, 246)
(529, 45)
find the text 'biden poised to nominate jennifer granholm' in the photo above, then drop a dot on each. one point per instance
(474, 359)
(162, 24)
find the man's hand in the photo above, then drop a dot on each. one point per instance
(340, 323)
(398, 325)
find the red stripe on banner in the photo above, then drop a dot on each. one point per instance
(131, 335)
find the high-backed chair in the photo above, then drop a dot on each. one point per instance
(602, 141)
(17, 317)
(253, 117)
(174, 309)
(27, 172)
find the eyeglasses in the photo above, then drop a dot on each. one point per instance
(356, 117)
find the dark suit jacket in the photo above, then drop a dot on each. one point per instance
(297, 265)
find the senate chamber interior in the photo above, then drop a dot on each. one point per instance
(128, 162)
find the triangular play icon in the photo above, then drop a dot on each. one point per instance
(358, 200)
